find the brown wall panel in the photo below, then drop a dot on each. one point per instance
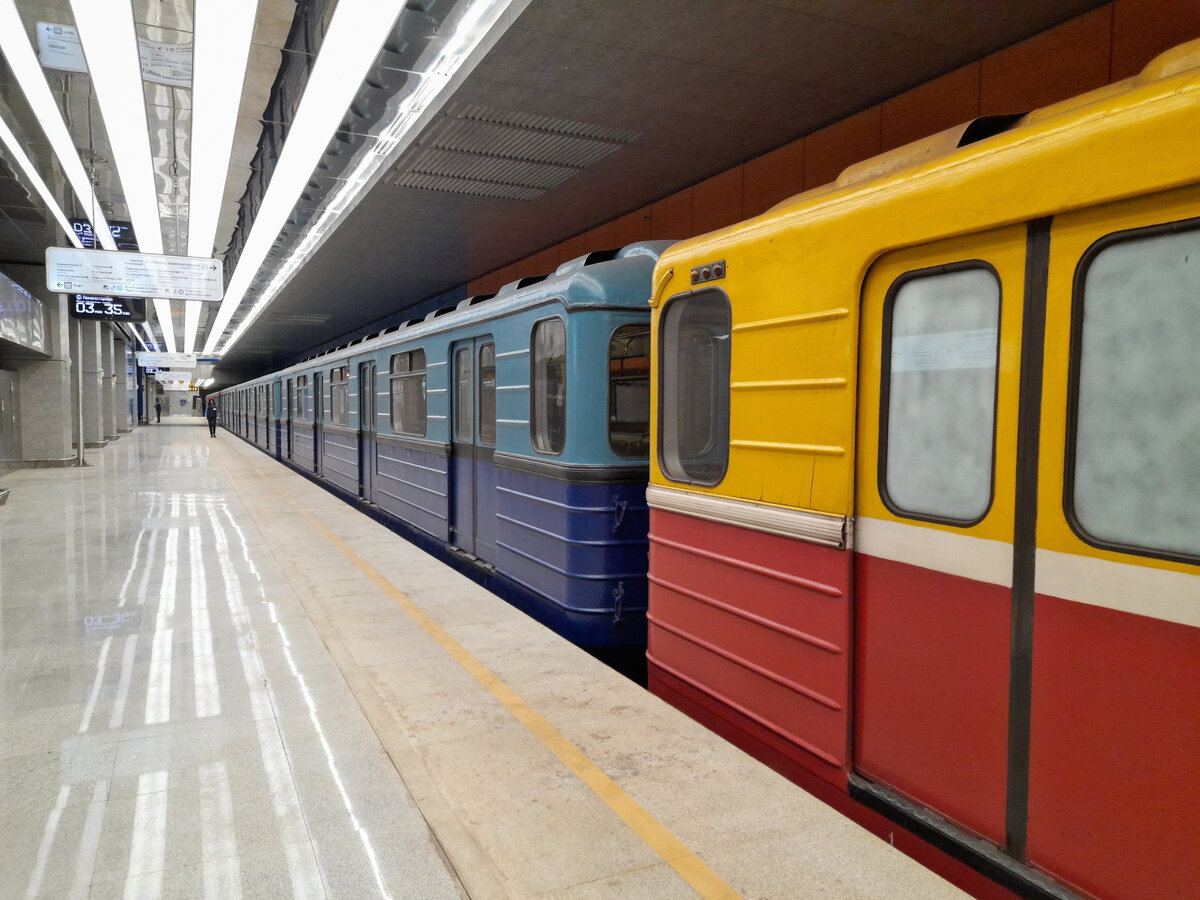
(1052, 66)
(1104, 45)
(1142, 29)
(717, 202)
(931, 107)
(772, 177)
(828, 151)
(671, 218)
(632, 228)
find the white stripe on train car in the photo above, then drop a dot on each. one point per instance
(1138, 589)
(931, 548)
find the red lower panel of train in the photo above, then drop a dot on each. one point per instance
(931, 689)
(1115, 751)
(759, 625)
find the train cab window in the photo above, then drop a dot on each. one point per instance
(408, 393)
(694, 390)
(1134, 455)
(548, 396)
(339, 395)
(487, 395)
(941, 340)
(629, 391)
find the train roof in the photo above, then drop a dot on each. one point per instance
(986, 140)
(575, 282)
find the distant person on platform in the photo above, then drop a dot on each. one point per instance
(157, 410)
(211, 414)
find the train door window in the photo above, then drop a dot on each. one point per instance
(694, 399)
(548, 398)
(629, 391)
(941, 343)
(487, 395)
(302, 397)
(462, 396)
(409, 412)
(339, 395)
(1132, 470)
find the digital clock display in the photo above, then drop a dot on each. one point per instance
(108, 309)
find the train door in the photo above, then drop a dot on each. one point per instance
(257, 410)
(288, 413)
(267, 414)
(317, 408)
(367, 426)
(941, 529)
(472, 474)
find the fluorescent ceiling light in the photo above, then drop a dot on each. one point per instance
(223, 33)
(18, 153)
(473, 26)
(20, 56)
(110, 44)
(348, 50)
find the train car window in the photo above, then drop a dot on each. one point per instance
(487, 395)
(694, 390)
(339, 395)
(408, 393)
(548, 398)
(1134, 451)
(629, 391)
(302, 397)
(937, 431)
(462, 395)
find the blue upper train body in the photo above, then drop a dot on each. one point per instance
(510, 432)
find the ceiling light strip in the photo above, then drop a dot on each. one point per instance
(18, 52)
(223, 33)
(477, 23)
(110, 45)
(348, 50)
(23, 162)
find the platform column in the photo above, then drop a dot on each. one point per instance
(122, 409)
(85, 349)
(45, 392)
(108, 416)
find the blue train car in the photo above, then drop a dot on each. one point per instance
(509, 433)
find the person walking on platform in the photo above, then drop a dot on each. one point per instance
(157, 410)
(211, 414)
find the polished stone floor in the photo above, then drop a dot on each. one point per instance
(170, 722)
(218, 680)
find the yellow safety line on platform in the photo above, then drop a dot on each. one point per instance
(674, 852)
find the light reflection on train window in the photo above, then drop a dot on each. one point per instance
(548, 398)
(629, 391)
(408, 393)
(695, 388)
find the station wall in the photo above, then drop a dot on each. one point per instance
(1109, 44)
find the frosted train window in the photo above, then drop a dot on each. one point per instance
(939, 394)
(694, 399)
(548, 397)
(1134, 474)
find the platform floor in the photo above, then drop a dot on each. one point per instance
(217, 680)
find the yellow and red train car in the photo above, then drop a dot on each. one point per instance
(925, 489)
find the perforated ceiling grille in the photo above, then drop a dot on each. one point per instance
(296, 318)
(516, 156)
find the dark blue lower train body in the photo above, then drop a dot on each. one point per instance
(508, 436)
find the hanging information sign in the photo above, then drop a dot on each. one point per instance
(133, 274)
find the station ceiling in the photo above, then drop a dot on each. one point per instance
(566, 114)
